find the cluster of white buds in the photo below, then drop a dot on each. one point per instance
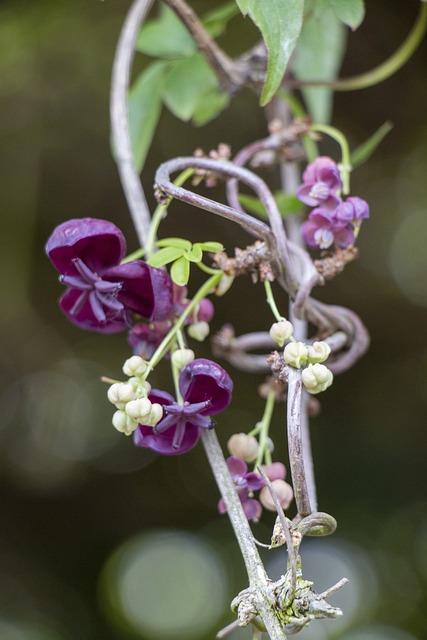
(131, 399)
(316, 377)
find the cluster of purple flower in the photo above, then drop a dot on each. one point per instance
(246, 482)
(334, 221)
(103, 294)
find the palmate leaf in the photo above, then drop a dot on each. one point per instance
(280, 24)
(165, 37)
(215, 21)
(165, 256)
(180, 271)
(350, 12)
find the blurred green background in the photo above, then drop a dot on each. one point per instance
(101, 541)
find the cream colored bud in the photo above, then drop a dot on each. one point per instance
(139, 409)
(243, 446)
(224, 285)
(124, 423)
(181, 357)
(317, 378)
(119, 393)
(140, 389)
(156, 415)
(283, 491)
(199, 330)
(281, 331)
(318, 352)
(134, 366)
(295, 354)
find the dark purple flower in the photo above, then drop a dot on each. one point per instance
(101, 293)
(322, 230)
(245, 483)
(203, 312)
(206, 390)
(321, 184)
(353, 210)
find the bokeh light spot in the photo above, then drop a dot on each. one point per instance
(166, 584)
(408, 257)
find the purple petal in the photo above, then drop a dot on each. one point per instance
(252, 509)
(163, 442)
(360, 208)
(311, 172)
(85, 317)
(98, 243)
(236, 466)
(145, 290)
(203, 380)
(344, 236)
(254, 481)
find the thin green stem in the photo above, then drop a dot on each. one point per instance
(345, 165)
(387, 68)
(136, 255)
(264, 450)
(165, 343)
(271, 301)
(160, 212)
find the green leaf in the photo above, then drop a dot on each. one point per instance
(186, 81)
(180, 271)
(165, 37)
(215, 21)
(350, 12)
(145, 105)
(287, 204)
(367, 148)
(318, 56)
(209, 105)
(211, 246)
(164, 256)
(195, 254)
(280, 24)
(180, 243)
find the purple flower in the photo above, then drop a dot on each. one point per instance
(322, 229)
(101, 293)
(353, 210)
(245, 483)
(145, 338)
(206, 390)
(321, 184)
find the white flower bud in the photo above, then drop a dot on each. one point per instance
(181, 357)
(283, 491)
(224, 285)
(134, 366)
(318, 352)
(156, 415)
(140, 389)
(281, 331)
(124, 423)
(317, 378)
(119, 393)
(295, 354)
(139, 409)
(243, 446)
(198, 330)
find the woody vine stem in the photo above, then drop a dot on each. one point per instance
(280, 247)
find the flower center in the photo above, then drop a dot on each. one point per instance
(319, 191)
(100, 294)
(179, 415)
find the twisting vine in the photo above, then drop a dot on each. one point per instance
(108, 292)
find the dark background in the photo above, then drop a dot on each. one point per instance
(80, 507)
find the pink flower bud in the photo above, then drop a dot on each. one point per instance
(284, 493)
(243, 446)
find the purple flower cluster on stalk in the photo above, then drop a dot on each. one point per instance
(101, 293)
(333, 221)
(206, 390)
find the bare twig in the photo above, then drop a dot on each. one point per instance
(224, 67)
